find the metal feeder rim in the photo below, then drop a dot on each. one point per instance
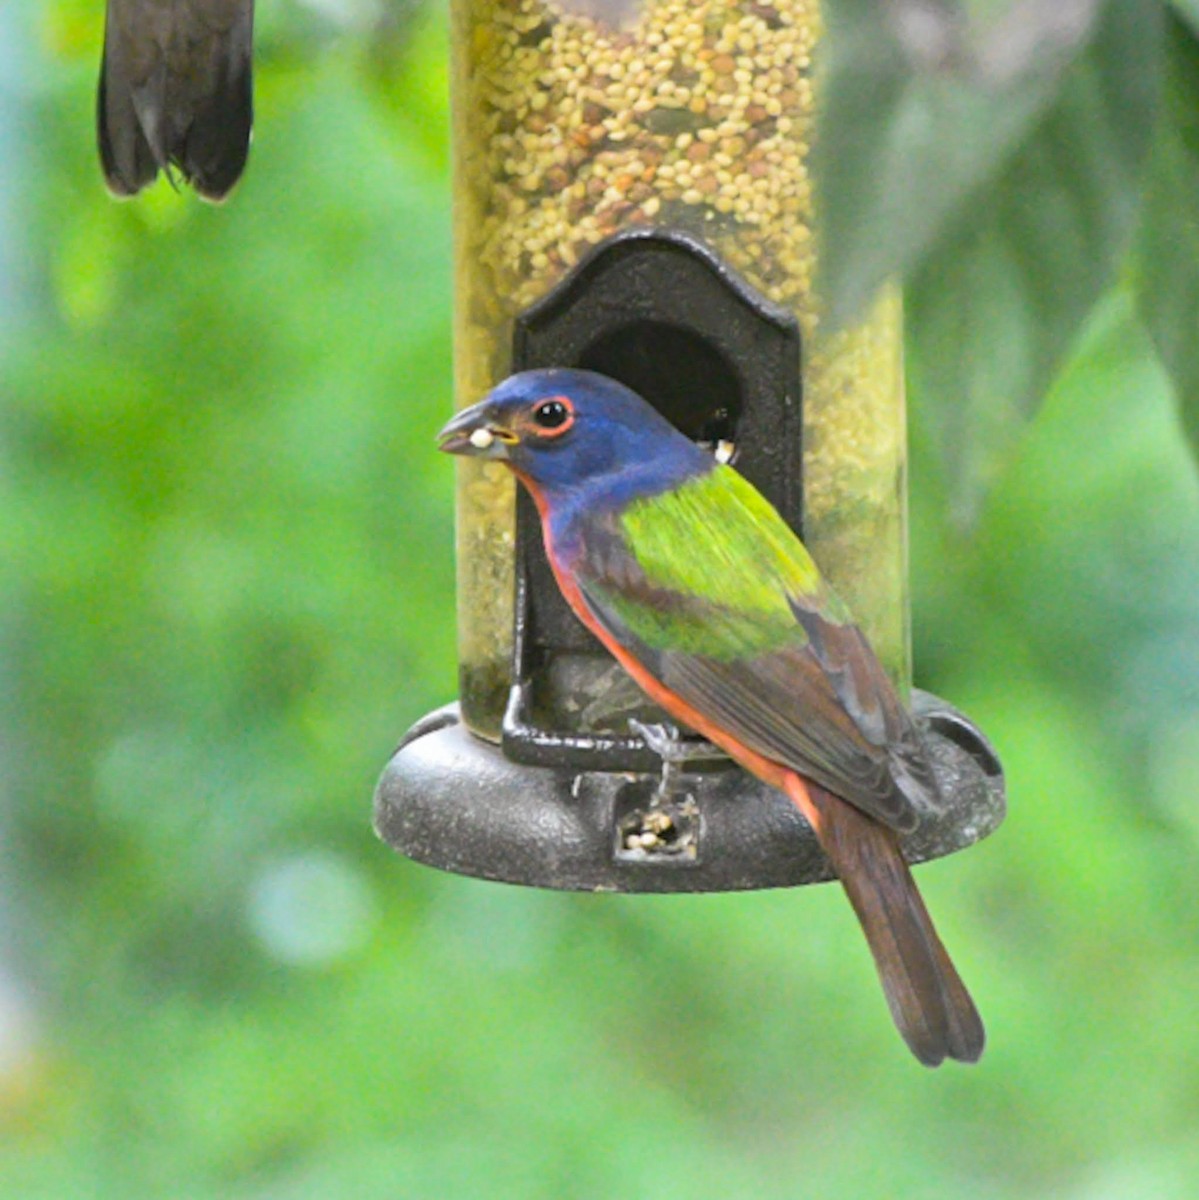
(451, 800)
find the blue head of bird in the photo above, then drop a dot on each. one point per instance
(563, 431)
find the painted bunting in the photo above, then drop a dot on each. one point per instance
(176, 91)
(710, 601)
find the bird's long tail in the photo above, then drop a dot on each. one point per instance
(928, 1001)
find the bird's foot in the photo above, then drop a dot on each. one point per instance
(663, 739)
(669, 744)
(666, 741)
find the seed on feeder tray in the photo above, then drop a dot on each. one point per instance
(657, 821)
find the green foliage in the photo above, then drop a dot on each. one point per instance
(995, 306)
(916, 125)
(225, 590)
(995, 156)
(1189, 11)
(1167, 249)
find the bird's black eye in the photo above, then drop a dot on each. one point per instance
(551, 414)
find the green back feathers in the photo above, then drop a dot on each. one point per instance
(723, 568)
(717, 536)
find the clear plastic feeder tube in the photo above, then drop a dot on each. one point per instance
(574, 119)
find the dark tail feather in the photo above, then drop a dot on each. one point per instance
(928, 1001)
(218, 140)
(129, 161)
(176, 90)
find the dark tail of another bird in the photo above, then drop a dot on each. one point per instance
(176, 91)
(928, 1001)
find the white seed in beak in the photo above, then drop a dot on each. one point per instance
(724, 451)
(481, 438)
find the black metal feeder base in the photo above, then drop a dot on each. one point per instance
(453, 801)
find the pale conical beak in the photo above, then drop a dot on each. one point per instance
(474, 432)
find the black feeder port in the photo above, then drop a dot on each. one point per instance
(574, 797)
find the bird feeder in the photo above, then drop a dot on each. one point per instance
(632, 196)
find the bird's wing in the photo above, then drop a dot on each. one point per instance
(719, 601)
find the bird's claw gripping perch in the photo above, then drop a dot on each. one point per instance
(675, 751)
(669, 744)
(663, 739)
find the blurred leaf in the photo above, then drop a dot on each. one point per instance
(995, 308)
(921, 107)
(1167, 247)
(1189, 11)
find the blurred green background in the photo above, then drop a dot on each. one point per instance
(225, 588)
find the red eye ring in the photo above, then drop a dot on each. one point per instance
(553, 416)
